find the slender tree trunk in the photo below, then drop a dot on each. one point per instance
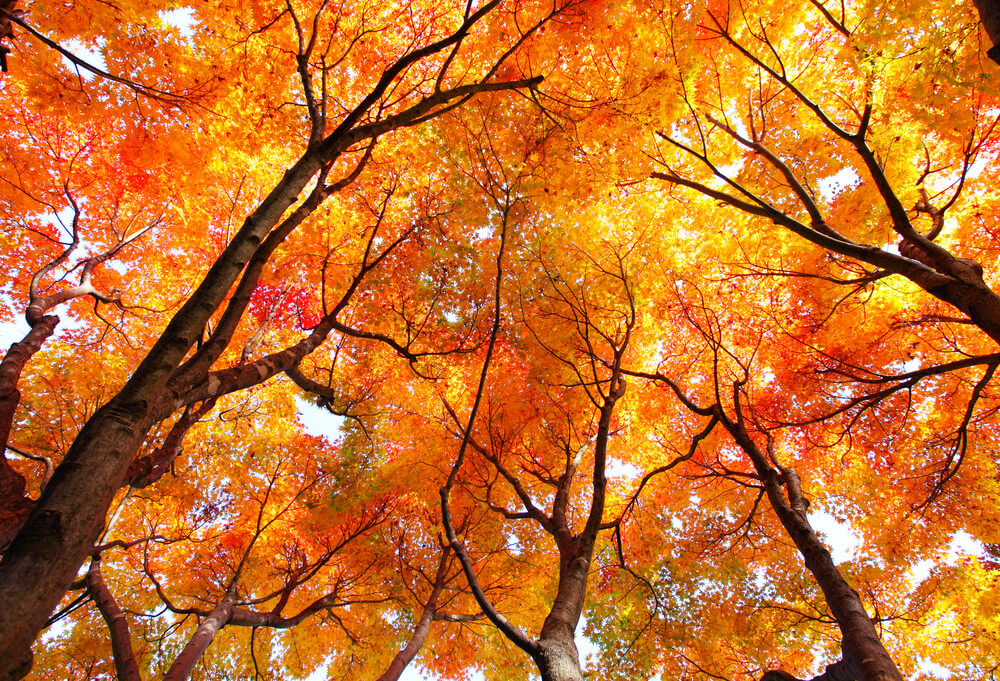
(121, 638)
(405, 656)
(14, 505)
(202, 638)
(861, 643)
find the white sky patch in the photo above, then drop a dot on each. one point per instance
(181, 18)
(982, 162)
(920, 571)
(84, 53)
(830, 187)
(622, 469)
(731, 170)
(839, 537)
(964, 544)
(12, 332)
(317, 421)
(588, 651)
(934, 669)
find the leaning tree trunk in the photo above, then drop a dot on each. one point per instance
(203, 636)
(862, 646)
(14, 504)
(56, 538)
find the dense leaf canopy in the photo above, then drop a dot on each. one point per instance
(628, 338)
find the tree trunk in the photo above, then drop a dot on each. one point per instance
(861, 643)
(989, 16)
(201, 639)
(14, 505)
(405, 656)
(7, 7)
(43, 559)
(558, 658)
(126, 667)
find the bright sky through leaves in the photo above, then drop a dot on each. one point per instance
(497, 340)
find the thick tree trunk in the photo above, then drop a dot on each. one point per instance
(989, 16)
(60, 531)
(43, 559)
(861, 643)
(558, 658)
(841, 670)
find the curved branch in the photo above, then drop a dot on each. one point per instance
(499, 621)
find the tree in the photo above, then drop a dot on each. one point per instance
(414, 87)
(793, 139)
(607, 300)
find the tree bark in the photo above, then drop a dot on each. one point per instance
(202, 638)
(57, 536)
(121, 639)
(861, 643)
(841, 670)
(7, 8)
(14, 505)
(558, 658)
(59, 533)
(405, 656)
(989, 16)
(146, 470)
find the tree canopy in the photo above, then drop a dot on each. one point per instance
(353, 336)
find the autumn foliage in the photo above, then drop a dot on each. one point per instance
(621, 338)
